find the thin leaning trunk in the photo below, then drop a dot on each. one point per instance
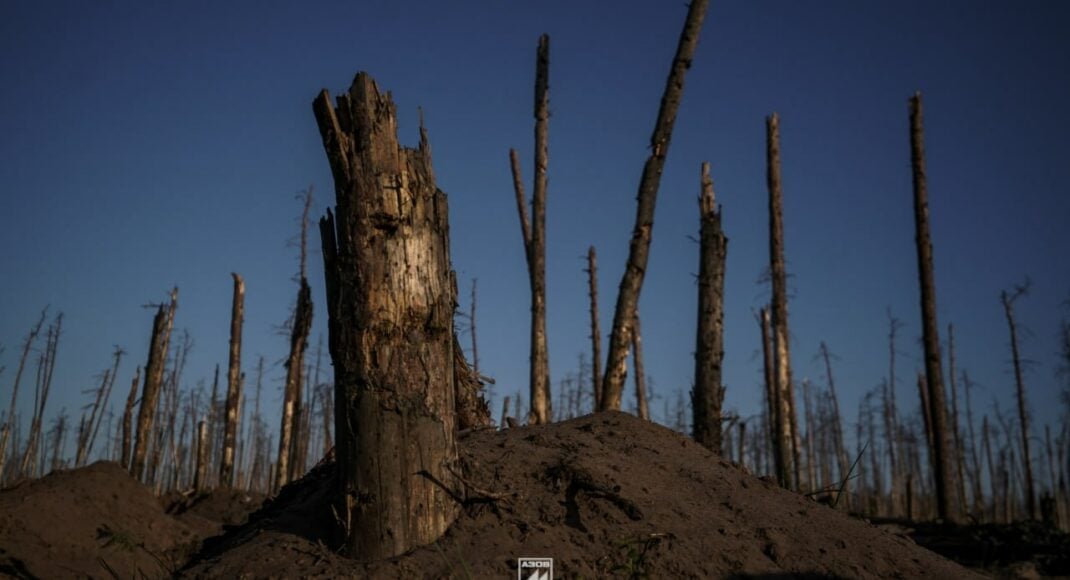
(302, 325)
(1019, 386)
(10, 423)
(942, 473)
(639, 249)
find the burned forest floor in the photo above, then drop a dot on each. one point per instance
(605, 495)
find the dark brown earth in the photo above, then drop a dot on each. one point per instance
(95, 521)
(605, 495)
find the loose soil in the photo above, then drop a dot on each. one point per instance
(606, 495)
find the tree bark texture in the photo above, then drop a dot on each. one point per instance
(639, 249)
(302, 325)
(708, 394)
(391, 296)
(787, 426)
(128, 416)
(596, 329)
(154, 369)
(930, 335)
(230, 430)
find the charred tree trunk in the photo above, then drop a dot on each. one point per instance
(787, 428)
(534, 234)
(302, 325)
(639, 249)
(1019, 385)
(708, 394)
(9, 424)
(780, 439)
(200, 475)
(154, 368)
(956, 432)
(128, 416)
(391, 295)
(596, 330)
(933, 374)
(230, 431)
(837, 426)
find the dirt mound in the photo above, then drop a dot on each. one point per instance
(603, 495)
(211, 513)
(96, 521)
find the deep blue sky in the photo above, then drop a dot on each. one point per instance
(146, 145)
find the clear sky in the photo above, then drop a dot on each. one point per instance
(144, 145)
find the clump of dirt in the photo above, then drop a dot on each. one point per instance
(96, 521)
(211, 513)
(603, 495)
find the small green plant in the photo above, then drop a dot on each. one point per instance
(635, 551)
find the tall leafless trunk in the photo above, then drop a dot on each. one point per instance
(230, 430)
(707, 395)
(975, 471)
(390, 327)
(200, 475)
(933, 374)
(30, 460)
(779, 429)
(785, 390)
(1019, 385)
(154, 369)
(302, 325)
(639, 249)
(596, 330)
(534, 234)
(472, 330)
(843, 463)
(9, 424)
(128, 415)
(959, 454)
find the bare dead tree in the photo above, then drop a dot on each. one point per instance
(472, 330)
(128, 414)
(837, 426)
(534, 234)
(154, 369)
(1008, 301)
(10, 423)
(30, 460)
(785, 391)
(639, 249)
(779, 427)
(956, 432)
(975, 471)
(394, 466)
(230, 431)
(596, 331)
(707, 396)
(302, 325)
(942, 473)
